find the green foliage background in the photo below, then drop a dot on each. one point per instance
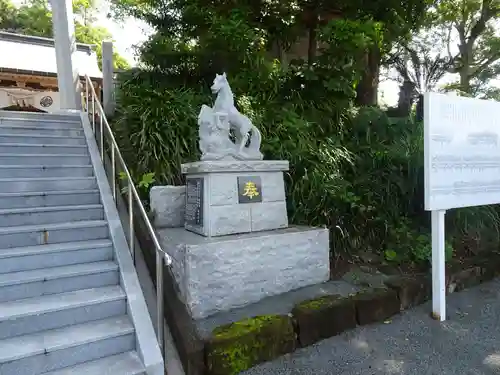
(354, 170)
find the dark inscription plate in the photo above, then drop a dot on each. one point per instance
(249, 189)
(194, 202)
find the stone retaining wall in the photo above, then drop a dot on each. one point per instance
(327, 316)
(238, 346)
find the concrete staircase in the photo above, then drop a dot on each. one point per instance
(65, 277)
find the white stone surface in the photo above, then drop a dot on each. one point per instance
(268, 215)
(225, 166)
(220, 273)
(216, 123)
(108, 78)
(64, 37)
(168, 204)
(230, 220)
(223, 214)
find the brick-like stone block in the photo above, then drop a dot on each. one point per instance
(376, 305)
(459, 278)
(323, 317)
(226, 220)
(490, 265)
(236, 347)
(412, 291)
(269, 215)
(168, 204)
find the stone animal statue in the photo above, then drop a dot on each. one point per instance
(215, 143)
(242, 126)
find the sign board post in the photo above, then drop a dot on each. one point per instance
(438, 266)
(462, 169)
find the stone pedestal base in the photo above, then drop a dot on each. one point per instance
(231, 196)
(220, 273)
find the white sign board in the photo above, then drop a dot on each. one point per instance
(462, 152)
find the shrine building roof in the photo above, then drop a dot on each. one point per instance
(24, 54)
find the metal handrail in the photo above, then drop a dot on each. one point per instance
(161, 255)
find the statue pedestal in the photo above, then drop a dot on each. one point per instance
(221, 273)
(236, 247)
(233, 197)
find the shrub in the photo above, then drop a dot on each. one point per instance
(355, 170)
(156, 125)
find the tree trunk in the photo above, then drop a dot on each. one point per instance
(367, 89)
(464, 80)
(419, 116)
(312, 47)
(406, 98)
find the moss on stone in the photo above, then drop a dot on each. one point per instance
(323, 317)
(242, 327)
(318, 303)
(239, 346)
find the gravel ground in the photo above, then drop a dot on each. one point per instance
(411, 343)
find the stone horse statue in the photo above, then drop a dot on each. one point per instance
(219, 120)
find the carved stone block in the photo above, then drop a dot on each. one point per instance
(236, 196)
(220, 273)
(168, 205)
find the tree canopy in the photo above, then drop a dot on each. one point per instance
(225, 31)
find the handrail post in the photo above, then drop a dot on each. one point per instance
(93, 113)
(86, 94)
(101, 136)
(159, 301)
(113, 170)
(131, 221)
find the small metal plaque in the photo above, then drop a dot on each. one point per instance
(249, 189)
(194, 202)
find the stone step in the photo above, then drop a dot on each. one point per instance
(60, 254)
(49, 198)
(44, 159)
(30, 129)
(53, 311)
(31, 235)
(12, 185)
(33, 171)
(43, 149)
(50, 215)
(69, 346)
(42, 139)
(127, 363)
(46, 281)
(43, 122)
(40, 117)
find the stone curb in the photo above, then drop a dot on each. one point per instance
(317, 319)
(324, 317)
(241, 345)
